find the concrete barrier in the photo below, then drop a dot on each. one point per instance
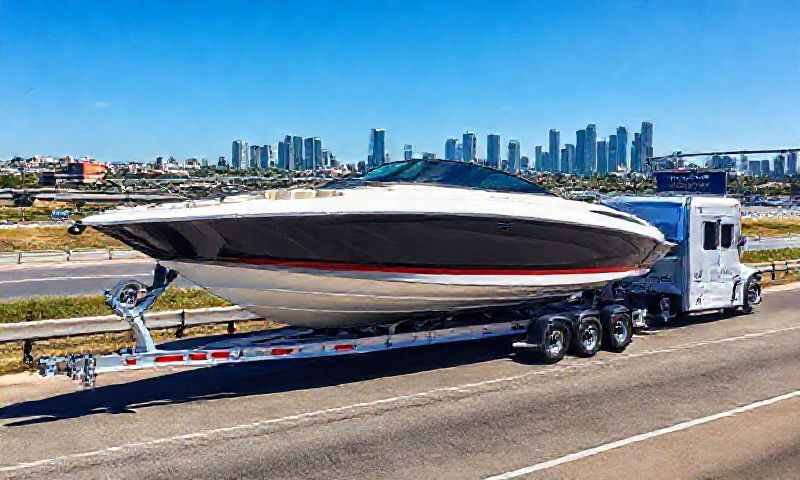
(44, 256)
(125, 254)
(87, 254)
(9, 258)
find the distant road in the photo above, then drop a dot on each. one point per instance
(714, 399)
(72, 278)
(768, 243)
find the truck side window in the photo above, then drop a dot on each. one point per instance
(727, 235)
(710, 236)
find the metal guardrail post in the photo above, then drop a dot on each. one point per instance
(181, 330)
(773, 270)
(27, 352)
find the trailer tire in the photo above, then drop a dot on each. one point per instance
(588, 337)
(555, 343)
(618, 332)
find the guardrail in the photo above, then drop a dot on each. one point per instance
(70, 327)
(74, 255)
(774, 267)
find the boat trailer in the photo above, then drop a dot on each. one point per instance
(550, 330)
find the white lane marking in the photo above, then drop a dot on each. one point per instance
(642, 437)
(62, 279)
(464, 388)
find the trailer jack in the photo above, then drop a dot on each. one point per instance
(129, 299)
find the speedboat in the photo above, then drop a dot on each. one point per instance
(409, 238)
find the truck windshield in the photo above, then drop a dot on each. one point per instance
(666, 216)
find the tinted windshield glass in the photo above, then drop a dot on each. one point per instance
(667, 217)
(458, 174)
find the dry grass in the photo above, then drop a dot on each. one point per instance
(770, 227)
(49, 307)
(761, 256)
(53, 238)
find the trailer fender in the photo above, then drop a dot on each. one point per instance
(550, 336)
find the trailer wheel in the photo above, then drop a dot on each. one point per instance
(588, 337)
(752, 294)
(555, 343)
(618, 333)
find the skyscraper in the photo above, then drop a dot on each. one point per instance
(377, 147)
(239, 154)
(568, 158)
(265, 160)
(297, 153)
(579, 167)
(636, 153)
(791, 164)
(286, 153)
(555, 150)
(602, 157)
(590, 150)
(470, 143)
(538, 162)
(255, 155)
(779, 166)
(451, 149)
(613, 166)
(308, 150)
(316, 156)
(524, 163)
(646, 151)
(408, 152)
(622, 148)
(493, 150)
(513, 156)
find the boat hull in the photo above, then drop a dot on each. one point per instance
(316, 298)
(358, 269)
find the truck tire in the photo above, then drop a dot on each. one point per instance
(555, 343)
(618, 332)
(588, 337)
(752, 294)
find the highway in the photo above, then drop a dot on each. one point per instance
(716, 398)
(768, 243)
(78, 278)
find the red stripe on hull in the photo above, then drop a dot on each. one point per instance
(358, 267)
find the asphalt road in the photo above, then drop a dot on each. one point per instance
(79, 278)
(768, 243)
(468, 411)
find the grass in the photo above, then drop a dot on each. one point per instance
(770, 227)
(761, 256)
(53, 238)
(51, 307)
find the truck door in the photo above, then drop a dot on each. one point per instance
(710, 285)
(730, 266)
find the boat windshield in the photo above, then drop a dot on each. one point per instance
(445, 172)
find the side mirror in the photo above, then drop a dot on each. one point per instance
(742, 241)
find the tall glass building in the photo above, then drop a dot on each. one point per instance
(579, 167)
(636, 153)
(513, 156)
(239, 155)
(538, 158)
(408, 152)
(613, 157)
(377, 147)
(590, 150)
(470, 145)
(493, 150)
(555, 150)
(297, 153)
(451, 149)
(602, 157)
(568, 158)
(622, 148)
(647, 141)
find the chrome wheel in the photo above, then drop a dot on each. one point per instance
(753, 293)
(665, 305)
(620, 331)
(590, 337)
(555, 343)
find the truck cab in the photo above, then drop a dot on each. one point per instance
(703, 271)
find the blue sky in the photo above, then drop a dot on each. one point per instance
(131, 80)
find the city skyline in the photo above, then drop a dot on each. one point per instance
(183, 91)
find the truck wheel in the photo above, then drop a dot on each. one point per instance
(618, 334)
(588, 337)
(752, 295)
(555, 344)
